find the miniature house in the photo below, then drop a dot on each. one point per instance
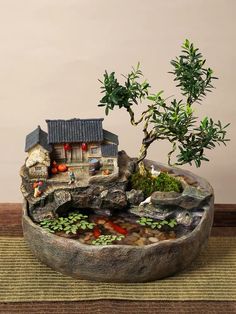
(74, 142)
(38, 151)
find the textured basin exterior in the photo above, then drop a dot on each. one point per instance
(122, 263)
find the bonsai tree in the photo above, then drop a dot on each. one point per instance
(165, 118)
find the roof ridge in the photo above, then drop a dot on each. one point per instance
(75, 119)
(74, 130)
(37, 136)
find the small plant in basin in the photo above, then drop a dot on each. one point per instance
(109, 213)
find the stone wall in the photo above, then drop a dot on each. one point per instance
(38, 171)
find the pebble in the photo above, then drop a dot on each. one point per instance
(153, 240)
(88, 237)
(140, 241)
(132, 238)
(162, 236)
(156, 232)
(148, 233)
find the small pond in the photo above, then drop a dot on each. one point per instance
(124, 228)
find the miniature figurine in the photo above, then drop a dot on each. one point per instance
(154, 172)
(38, 188)
(71, 177)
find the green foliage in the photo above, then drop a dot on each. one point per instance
(70, 224)
(107, 239)
(123, 95)
(148, 183)
(206, 136)
(143, 182)
(149, 222)
(173, 121)
(176, 123)
(167, 183)
(193, 78)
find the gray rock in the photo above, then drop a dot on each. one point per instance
(114, 200)
(184, 217)
(61, 197)
(190, 198)
(189, 219)
(88, 197)
(99, 197)
(45, 208)
(193, 196)
(127, 166)
(165, 198)
(104, 180)
(135, 197)
(41, 213)
(148, 210)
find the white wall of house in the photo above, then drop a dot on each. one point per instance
(38, 171)
(76, 154)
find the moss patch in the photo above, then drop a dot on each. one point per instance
(149, 184)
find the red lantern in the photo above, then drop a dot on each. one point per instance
(84, 147)
(67, 146)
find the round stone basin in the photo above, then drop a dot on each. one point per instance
(122, 263)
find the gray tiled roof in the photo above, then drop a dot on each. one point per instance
(37, 136)
(111, 137)
(109, 150)
(75, 130)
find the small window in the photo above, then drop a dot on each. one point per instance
(59, 153)
(94, 150)
(38, 168)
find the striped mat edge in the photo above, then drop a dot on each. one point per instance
(212, 277)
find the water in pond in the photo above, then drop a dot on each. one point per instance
(123, 226)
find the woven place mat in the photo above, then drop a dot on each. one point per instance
(24, 279)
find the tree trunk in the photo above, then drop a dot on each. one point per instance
(141, 157)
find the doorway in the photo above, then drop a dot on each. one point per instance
(76, 153)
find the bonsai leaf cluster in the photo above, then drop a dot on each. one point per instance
(148, 183)
(107, 239)
(193, 79)
(144, 221)
(171, 120)
(70, 224)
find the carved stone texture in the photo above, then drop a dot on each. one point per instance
(191, 197)
(123, 263)
(135, 197)
(103, 193)
(151, 211)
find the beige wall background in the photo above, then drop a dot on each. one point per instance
(53, 51)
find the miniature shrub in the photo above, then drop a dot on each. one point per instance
(167, 183)
(149, 222)
(70, 224)
(148, 183)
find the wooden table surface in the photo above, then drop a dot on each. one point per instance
(224, 225)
